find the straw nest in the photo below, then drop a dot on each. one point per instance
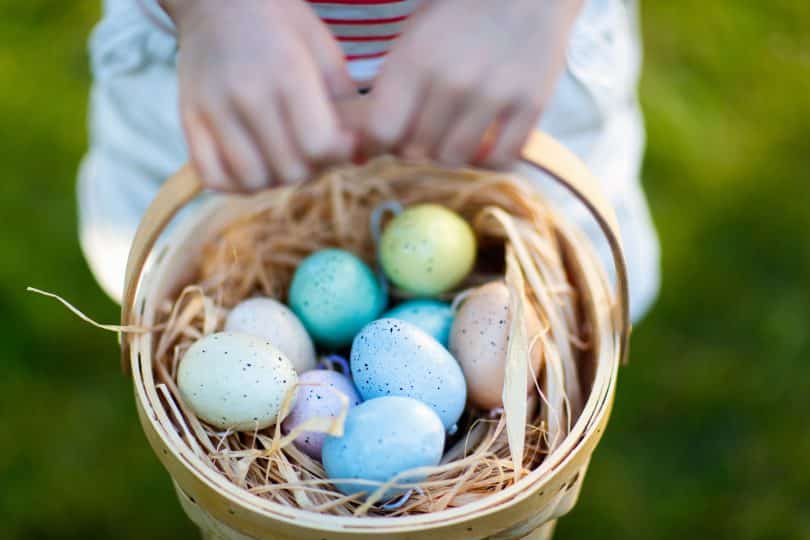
(521, 241)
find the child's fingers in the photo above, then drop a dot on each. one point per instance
(328, 57)
(352, 112)
(312, 116)
(434, 118)
(512, 136)
(205, 155)
(241, 156)
(464, 138)
(272, 137)
(394, 103)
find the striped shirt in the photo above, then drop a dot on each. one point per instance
(365, 29)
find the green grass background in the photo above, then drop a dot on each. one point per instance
(710, 436)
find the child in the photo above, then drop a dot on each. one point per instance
(253, 99)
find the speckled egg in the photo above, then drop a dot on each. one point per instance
(391, 357)
(427, 249)
(271, 320)
(317, 396)
(335, 294)
(235, 381)
(431, 316)
(382, 438)
(479, 340)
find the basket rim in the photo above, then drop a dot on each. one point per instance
(581, 437)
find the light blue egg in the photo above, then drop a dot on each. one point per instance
(432, 316)
(335, 294)
(375, 447)
(391, 357)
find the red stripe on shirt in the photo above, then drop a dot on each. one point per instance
(353, 24)
(357, 2)
(367, 38)
(368, 56)
(389, 20)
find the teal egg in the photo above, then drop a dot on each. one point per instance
(431, 316)
(382, 438)
(335, 294)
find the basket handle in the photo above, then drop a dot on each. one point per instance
(540, 151)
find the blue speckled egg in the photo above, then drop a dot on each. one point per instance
(431, 316)
(375, 447)
(391, 357)
(335, 294)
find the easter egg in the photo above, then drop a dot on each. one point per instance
(391, 357)
(382, 438)
(235, 381)
(431, 316)
(479, 340)
(427, 249)
(335, 294)
(273, 321)
(317, 396)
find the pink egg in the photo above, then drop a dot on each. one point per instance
(479, 339)
(317, 397)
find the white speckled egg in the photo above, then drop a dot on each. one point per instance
(382, 438)
(271, 320)
(479, 340)
(317, 397)
(235, 381)
(391, 357)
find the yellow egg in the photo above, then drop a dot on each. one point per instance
(427, 249)
(479, 340)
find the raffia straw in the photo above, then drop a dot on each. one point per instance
(330, 425)
(540, 284)
(517, 365)
(257, 255)
(131, 329)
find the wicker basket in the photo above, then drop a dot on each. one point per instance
(527, 509)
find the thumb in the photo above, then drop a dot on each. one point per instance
(352, 112)
(328, 56)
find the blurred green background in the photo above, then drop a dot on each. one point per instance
(710, 436)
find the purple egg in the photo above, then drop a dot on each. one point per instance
(317, 397)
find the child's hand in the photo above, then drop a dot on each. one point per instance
(257, 81)
(466, 68)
